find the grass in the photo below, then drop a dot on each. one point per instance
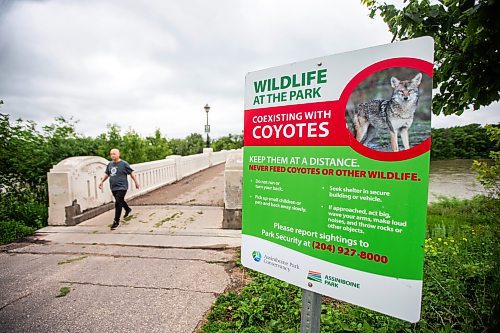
(167, 219)
(64, 291)
(128, 218)
(69, 261)
(461, 291)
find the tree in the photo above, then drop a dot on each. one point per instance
(178, 147)
(63, 141)
(157, 147)
(107, 141)
(231, 141)
(133, 147)
(23, 155)
(467, 40)
(488, 174)
(192, 144)
(195, 144)
(461, 142)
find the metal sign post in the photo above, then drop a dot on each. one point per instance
(311, 312)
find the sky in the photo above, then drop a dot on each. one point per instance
(155, 64)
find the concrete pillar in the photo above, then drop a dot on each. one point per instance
(177, 159)
(209, 151)
(233, 184)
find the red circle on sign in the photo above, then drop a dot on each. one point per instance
(423, 147)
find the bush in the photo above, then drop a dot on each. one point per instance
(23, 206)
(21, 213)
(12, 230)
(461, 283)
(488, 174)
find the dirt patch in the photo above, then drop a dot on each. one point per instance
(22, 242)
(238, 276)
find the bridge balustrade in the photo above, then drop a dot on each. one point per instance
(73, 183)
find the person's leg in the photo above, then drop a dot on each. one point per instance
(119, 201)
(126, 207)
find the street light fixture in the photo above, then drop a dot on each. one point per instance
(207, 126)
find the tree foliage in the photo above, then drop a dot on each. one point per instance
(192, 144)
(157, 147)
(467, 39)
(231, 141)
(461, 142)
(489, 174)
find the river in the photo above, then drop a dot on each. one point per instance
(453, 178)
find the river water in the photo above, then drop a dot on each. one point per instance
(453, 178)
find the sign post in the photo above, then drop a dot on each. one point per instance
(311, 312)
(335, 180)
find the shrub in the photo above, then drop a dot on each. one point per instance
(12, 230)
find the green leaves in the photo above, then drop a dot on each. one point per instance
(488, 174)
(228, 142)
(466, 35)
(461, 142)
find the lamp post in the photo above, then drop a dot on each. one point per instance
(207, 126)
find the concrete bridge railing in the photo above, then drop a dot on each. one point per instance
(73, 183)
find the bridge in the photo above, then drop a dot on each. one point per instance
(159, 271)
(190, 201)
(74, 194)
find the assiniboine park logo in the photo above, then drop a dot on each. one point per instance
(256, 256)
(330, 280)
(314, 276)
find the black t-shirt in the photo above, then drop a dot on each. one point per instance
(117, 173)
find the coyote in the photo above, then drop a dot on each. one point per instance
(395, 114)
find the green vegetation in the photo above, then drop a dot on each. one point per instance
(168, 219)
(463, 142)
(27, 153)
(10, 230)
(71, 260)
(64, 291)
(466, 35)
(489, 175)
(228, 142)
(461, 284)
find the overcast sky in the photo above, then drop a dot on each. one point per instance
(155, 64)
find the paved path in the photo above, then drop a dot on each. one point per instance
(159, 271)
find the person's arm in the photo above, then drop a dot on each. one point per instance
(134, 178)
(106, 176)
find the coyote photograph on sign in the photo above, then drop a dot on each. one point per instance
(390, 110)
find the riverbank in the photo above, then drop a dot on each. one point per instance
(461, 284)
